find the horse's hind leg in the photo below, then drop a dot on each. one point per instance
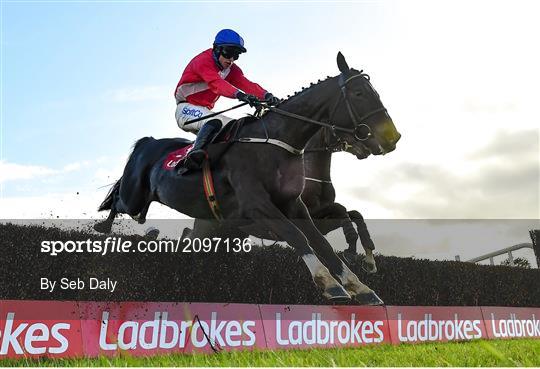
(117, 206)
(141, 217)
(106, 225)
(202, 228)
(369, 264)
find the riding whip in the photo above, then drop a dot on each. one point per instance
(214, 114)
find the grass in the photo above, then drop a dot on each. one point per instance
(505, 353)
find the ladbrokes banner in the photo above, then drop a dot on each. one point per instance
(74, 329)
(40, 328)
(297, 326)
(414, 324)
(149, 328)
(508, 322)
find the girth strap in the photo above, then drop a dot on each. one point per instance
(272, 141)
(317, 180)
(209, 192)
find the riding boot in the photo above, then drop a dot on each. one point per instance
(197, 154)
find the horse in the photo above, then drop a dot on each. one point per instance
(260, 177)
(319, 197)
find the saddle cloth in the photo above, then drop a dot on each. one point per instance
(219, 144)
(175, 157)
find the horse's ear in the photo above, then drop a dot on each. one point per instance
(341, 63)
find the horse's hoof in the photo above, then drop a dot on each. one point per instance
(138, 218)
(336, 293)
(102, 227)
(369, 267)
(152, 232)
(369, 298)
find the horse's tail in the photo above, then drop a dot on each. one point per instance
(115, 189)
(107, 203)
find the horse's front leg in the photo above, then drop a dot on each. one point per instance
(369, 264)
(300, 216)
(334, 216)
(255, 204)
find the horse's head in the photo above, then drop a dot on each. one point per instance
(360, 109)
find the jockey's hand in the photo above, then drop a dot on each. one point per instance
(250, 99)
(271, 100)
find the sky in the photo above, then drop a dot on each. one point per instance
(81, 81)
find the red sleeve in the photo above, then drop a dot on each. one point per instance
(237, 78)
(207, 70)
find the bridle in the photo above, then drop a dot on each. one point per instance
(329, 146)
(361, 131)
(357, 122)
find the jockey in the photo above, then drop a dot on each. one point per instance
(208, 76)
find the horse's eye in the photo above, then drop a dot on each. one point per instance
(358, 93)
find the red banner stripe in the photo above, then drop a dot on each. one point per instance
(76, 329)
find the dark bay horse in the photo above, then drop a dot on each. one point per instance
(259, 184)
(319, 197)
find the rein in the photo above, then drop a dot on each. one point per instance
(361, 131)
(357, 122)
(325, 144)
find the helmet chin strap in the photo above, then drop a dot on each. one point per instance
(215, 54)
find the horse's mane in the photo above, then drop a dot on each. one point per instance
(306, 89)
(296, 93)
(312, 85)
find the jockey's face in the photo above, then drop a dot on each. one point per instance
(225, 62)
(227, 55)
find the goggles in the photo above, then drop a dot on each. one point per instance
(230, 52)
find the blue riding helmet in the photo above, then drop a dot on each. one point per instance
(228, 37)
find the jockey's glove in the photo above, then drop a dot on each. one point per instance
(271, 100)
(250, 99)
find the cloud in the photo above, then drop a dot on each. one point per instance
(508, 145)
(18, 172)
(502, 181)
(72, 167)
(471, 105)
(137, 94)
(13, 171)
(72, 192)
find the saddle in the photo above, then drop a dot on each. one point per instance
(218, 145)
